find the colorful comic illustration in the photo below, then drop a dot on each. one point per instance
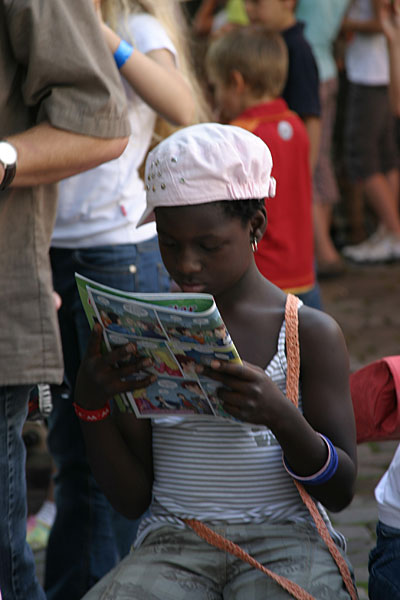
(192, 329)
(119, 316)
(177, 332)
(164, 361)
(177, 396)
(188, 355)
(210, 387)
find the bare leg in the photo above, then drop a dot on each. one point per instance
(379, 190)
(325, 249)
(382, 193)
(393, 178)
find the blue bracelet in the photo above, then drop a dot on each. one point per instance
(122, 53)
(324, 474)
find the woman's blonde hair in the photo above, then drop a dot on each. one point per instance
(260, 56)
(169, 14)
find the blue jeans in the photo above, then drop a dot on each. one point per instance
(312, 298)
(17, 567)
(83, 543)
(384, 563)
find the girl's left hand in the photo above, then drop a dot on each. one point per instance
(249, 394)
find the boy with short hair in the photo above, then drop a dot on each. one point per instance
(248, 69)
(301, 90)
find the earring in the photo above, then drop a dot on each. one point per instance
(254, 244)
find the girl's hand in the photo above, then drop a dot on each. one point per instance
(250, 395)
(103, 376)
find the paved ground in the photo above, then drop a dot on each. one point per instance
(365, 302)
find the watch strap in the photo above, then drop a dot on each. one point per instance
(9, 174)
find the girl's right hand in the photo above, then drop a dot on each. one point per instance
(103, 376)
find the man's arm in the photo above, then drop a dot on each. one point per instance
(394, 88)
(204, 16)
(371, 25)
(47, 154)
(78, 100)
(313, 126)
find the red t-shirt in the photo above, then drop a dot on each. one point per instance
(285, 254)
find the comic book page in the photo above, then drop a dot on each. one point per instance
(177, 331)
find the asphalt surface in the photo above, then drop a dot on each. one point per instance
(365, 302)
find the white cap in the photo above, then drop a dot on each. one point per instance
(206, 163)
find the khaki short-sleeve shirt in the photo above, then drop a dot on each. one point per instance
(55, 67)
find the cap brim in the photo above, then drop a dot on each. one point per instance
(147, 217)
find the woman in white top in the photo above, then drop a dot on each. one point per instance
(370, 146)
(95, 234)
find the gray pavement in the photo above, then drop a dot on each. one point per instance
(365, 302)
(357, 522)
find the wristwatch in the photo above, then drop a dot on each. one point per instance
(8, 158)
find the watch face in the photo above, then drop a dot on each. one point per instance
(8, 154)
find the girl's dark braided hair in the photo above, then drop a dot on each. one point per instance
(242, 209)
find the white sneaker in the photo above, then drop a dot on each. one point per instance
(380, 247)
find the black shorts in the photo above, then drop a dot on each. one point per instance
(370, 132)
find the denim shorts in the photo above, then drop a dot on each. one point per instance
(174, 564)
(384, 564)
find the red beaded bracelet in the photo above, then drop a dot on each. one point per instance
(92, 415)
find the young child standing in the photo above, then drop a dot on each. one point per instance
(247, 69)
(301, 91)
(207, 194)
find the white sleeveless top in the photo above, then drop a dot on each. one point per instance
(215, 469)
(102, 206)
(366, 58)
(387, 494)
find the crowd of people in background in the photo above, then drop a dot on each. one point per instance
(350, 50)
(319, 83)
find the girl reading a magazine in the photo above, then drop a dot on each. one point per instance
(207, 186)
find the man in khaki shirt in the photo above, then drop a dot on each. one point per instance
(62, 110)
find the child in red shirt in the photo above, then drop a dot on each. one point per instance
(247, 69)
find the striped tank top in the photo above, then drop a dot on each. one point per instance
(215, 469)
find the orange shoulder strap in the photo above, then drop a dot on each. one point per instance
(292, 392)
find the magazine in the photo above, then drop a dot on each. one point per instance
(177, 331)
